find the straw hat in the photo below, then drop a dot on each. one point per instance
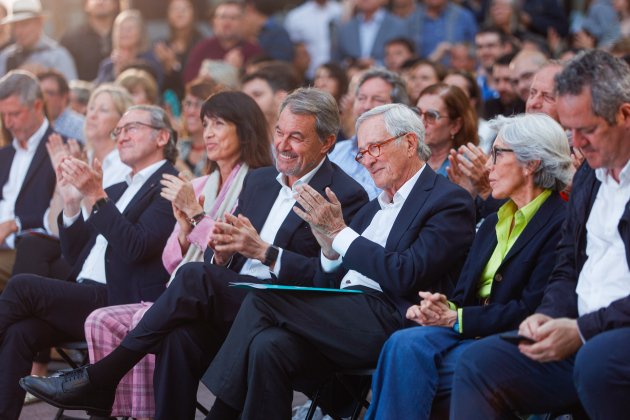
(22, 10)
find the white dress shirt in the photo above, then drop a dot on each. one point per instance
(19, 167)
(377, 232)
(279, 211)
(94, 265)
(605, 276)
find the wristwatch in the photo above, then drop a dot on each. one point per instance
(100, 203)
(196, 219)
(271, 255)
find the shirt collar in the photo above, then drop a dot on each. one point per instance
(603, 174)
(403, 192)
(144, 174)
(527, 212)
(33, 141)
(304, 180)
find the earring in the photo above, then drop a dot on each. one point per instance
(452, 136)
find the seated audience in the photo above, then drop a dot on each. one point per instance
(56, 92)
(503, 278)
(188, 323)
(236, 138)
(397, 52)
(79, 95)
(115, 252)
(140, 84)
(331, 78)
(419, 74)
(450, 122)
(579, 333)
(507, 102)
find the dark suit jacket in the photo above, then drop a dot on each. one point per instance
(560, 299)
(519, 282)
(38, 187)
(135, 241)
(260, 190)
(347, 44)
(425, 249)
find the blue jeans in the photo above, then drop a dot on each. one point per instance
(415, 366)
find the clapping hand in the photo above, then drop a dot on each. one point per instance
(236, 235)
(179, 191)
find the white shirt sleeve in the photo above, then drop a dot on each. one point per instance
(67, 221)
(343, 240)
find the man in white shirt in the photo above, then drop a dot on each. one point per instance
(414, 235)
(580, 335)
(27, 178)
(115, 252)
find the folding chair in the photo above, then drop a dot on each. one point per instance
(359, 394)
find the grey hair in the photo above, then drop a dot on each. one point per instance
(22, 84)
(315, 102)
(399, 119)
(538, 137)
(608, 78)
(399, 90)
(159, 118)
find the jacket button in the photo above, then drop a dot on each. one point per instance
(498, 277)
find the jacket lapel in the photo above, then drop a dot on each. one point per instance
(5, 166)
(264, 202)
(148, 186)
(41, 154)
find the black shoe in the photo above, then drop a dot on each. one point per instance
(71, 391)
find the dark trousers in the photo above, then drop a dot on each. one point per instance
(282, 339)
(494, 380)
(36, 313)
(185, 328)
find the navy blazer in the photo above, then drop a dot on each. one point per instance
(38, 187)
(135, 241)
(347, 44)
(426, 246)
(520, 280)
(260, 190)
(560, 299)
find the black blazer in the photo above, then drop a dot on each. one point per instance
(519, 282)
(38, 187)
(300, 255)
(135, 241)
(560, 299)
(425, 249)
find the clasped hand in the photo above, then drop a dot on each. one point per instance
(324, 216)
(433, 310)
(556, 338)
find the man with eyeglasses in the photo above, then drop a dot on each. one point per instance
(415, 235)
(115, 252)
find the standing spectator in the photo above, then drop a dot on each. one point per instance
(91, 43)
(227, 43)
(56, 92)
(364, 36)
(262, 27)
(173, 52)
(312, 24)
(32, 47)
(440, 21)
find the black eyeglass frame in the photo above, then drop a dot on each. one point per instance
(499, 150)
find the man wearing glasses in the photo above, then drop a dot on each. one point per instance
(115, 252)
(413, 237)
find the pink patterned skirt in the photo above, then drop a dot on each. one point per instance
(105, 329)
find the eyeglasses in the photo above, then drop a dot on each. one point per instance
(131, 128)
(497, 151)
(431, 116)
(374, 149)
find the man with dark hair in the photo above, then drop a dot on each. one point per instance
(27, 178)
(56, 92)
(490, 44)
(508, 102)
(398, 51)
(574, 349)
(269, 86)
(266, 242)
(116, 252)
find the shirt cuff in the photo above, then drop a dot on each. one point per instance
(69, 220)
(329, 265)
(276, 266)
(460, 315)
(343, 240)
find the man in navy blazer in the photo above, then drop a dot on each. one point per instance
(265, 242)
(414, 236)
(27, 179)
(580, 332)
(350, 44)
(116, 251)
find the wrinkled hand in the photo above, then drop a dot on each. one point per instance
(456, 175)
(7, 228)
(435, 311)
(322, 215)
(472, 163)
(577, 158)
(556, 339)
(179, 191)
(237, 235)
(88, 180)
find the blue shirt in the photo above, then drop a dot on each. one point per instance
(343, 155)
(70, 124)
(275, 41)
(454, 24)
